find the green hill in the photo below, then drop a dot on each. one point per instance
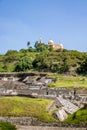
(70, 62)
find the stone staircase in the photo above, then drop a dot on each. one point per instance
(69, 107)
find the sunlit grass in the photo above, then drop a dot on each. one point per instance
(69, 81)
(21, 107)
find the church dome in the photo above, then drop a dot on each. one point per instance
(50, 42)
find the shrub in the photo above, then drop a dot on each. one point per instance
(6, 126)
(24, 64)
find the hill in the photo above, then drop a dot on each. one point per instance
(70, 62)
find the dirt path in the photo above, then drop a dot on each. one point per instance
(46, 128)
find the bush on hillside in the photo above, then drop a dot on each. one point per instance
(23, 64)
(6, 126)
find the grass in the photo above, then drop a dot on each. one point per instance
(28, 107)
(7, 126)
(69, 81)
(80, 117)
(25, 107)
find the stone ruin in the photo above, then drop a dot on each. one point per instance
(68, 101)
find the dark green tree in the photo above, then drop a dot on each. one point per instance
(36, 44)
(24, 64)
(28, 44)
(83, 67)
(40, 47)
(31, 49)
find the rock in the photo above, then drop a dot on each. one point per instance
(61, 114)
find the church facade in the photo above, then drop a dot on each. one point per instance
(54, 45)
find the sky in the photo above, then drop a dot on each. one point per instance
(63, 21)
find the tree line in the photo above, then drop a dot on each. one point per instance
(44, 58)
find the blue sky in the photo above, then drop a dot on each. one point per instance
(62, 21)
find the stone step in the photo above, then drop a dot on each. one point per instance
(61, 114)
(67, 105)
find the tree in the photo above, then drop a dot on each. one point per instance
(28, 44)
(40, 47)
(83, 67)
(30, 49)
(11, 55)
(11, 52)
(50, 48)
(23, 51)
(24, 64)
(36, 44)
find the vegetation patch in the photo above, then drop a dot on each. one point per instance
(42, 58)
(79, 117)
(25, 107)
(7, 126)
(69, 81)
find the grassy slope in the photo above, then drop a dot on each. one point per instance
(69, 81)
(80, 117)
(21, 106)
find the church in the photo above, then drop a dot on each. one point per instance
(54, 45)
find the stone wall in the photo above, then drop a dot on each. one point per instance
(47, 128)
(40, 90)
(28, 121)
